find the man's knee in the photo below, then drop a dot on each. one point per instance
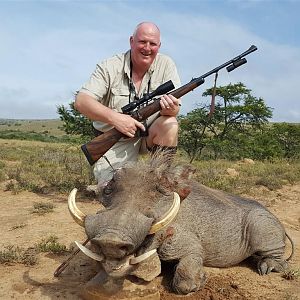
(163, 131)
(164, 125)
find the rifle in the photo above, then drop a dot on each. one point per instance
(98, 146)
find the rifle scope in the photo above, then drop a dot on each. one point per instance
(162, 89)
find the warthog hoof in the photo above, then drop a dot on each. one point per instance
(267, 265)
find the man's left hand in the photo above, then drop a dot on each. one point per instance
(169, 105)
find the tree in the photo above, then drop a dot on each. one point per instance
(236, 112)
(74, 122)
(288, 137)
(192, 132)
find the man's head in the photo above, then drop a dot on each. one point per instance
(144, 44)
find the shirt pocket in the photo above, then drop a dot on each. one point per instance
(119, 98)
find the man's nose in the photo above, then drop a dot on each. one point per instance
(147, 46)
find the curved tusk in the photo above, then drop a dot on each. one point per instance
(88, 252)
(168, 217)
(76, 214)
(139, 259)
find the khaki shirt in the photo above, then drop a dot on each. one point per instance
(109, 83)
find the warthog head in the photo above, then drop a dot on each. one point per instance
(144, 198)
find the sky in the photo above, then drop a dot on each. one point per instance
(48, 49)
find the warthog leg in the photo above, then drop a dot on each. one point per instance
(267, 240)
(189, 276)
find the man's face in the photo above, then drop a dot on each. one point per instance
(144, 46)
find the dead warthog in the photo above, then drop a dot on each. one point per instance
(156, 207)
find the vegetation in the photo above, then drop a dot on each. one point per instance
(74, 122)
(13, 254)
(238, 128)
(51, 245)
(43, 167)
(41, 208)
(270, 174)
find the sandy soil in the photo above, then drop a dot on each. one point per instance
(19, 226)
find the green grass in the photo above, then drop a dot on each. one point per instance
(12, 254)
(51, 245)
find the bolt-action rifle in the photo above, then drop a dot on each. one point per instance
(98, 146)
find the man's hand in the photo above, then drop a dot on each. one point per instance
(169, 105)
(127, 125)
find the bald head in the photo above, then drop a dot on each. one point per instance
(148, 26)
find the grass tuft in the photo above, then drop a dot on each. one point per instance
(14, 254)
(51, 245)
(41, 208)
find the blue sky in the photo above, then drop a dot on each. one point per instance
(49, 48)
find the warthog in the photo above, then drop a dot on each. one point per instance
(211, 228)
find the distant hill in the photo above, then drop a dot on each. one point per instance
(50, 127)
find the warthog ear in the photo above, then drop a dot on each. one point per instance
(184, 192)
(177, 180)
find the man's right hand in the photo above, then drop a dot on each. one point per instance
(96, 111)
(127, 125)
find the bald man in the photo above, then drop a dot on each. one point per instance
(121, 79)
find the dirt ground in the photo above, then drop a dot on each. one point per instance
(19, 226)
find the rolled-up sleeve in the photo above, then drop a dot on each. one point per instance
(97, 85)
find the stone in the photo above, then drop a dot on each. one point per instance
(248, 161)
(232, 172)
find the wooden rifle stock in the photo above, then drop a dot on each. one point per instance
(98, 146)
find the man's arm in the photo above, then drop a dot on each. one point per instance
(96, 111)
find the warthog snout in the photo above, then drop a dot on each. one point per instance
(113, 246)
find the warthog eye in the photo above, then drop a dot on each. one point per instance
(163, 190)
(107, 192)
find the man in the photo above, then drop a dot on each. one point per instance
(118, 81)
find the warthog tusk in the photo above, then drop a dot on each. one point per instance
(88, 252)
(139, 259)
(168, 217)
(76, 214)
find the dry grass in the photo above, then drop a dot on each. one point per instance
(43, 167)
(41, 208)
(272, 175)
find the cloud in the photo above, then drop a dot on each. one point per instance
(48, 61)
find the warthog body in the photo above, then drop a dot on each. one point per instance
(212, 228)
